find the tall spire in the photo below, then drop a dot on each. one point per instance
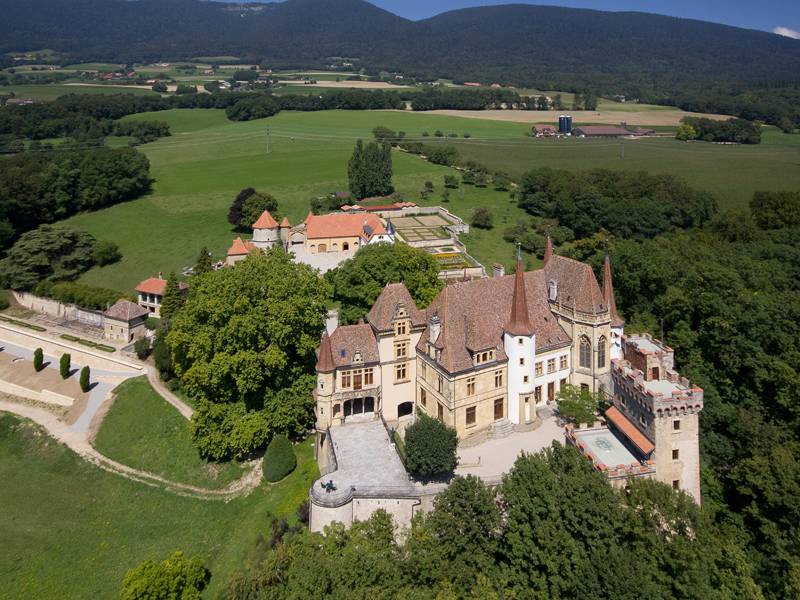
(548, 248)
(519, 323)
(608, 293)
(325, 362)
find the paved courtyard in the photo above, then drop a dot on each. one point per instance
(492, 458)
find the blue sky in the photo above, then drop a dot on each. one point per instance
(764, 14)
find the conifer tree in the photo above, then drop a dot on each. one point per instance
(38, 360)
(204, 264)
(85, 380)
(173, 298)
(64, 365)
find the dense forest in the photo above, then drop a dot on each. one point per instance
(644, 56)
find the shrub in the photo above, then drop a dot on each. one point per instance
(85, 375)
(425, 134)
(467, 135)
(577, 405)
(177, 577)
(438, 133)
(4, 299)
(142, 348)
(279, 460)
(482, 218)
(430, 447)
(106, 253)
(38, 359)
(64, 364)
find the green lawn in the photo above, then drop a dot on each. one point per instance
(143, 431)
(71, 530)
(208, 159)
(200, 169)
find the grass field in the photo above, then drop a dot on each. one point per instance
(71, 530)
(199, 170)
(144, 432)
(49, 91)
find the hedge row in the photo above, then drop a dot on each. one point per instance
(89, 343)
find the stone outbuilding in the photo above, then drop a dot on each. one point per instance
(125, 321)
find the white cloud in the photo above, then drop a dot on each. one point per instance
(785, 31)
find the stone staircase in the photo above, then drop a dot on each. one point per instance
(500, 429)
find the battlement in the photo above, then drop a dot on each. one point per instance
(607, 453)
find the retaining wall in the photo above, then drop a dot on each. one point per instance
(54, 308)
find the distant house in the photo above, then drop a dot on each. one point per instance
(600, 131)
(472, 84)
(151, 293)
(124, 322)
(239, 250)
(543, 131)
(641, 132)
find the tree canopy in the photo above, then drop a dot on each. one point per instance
(358, 281)
(175, 578)
(369, 170)
(244, 346)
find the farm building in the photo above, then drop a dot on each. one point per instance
(600, 131)
(543, 131)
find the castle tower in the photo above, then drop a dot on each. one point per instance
(617, 324)
(284, 232)
(326, 377)
(519, 343)
(266, 231)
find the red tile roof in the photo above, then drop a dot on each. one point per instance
(285, 222)
(265, 221)
(383, 311)
(156, 285)
(125, 310)
(475, 313)
(349, 340)
(325, 362)
(629, 430)
(241, 247)
(577, 286)
(608, 294)
(343, 225)
(601, 130)
(519, 323)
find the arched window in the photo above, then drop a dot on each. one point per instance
(586, 353)
(601, 353)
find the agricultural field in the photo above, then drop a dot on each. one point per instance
(71, 530)
(143, 431)
(51, 91)
(297, 156)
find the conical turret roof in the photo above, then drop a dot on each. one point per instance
(519, 323)
(325, 362)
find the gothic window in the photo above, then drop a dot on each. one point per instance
(601, 353)
(586, 353)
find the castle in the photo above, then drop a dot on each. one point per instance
(488, 354)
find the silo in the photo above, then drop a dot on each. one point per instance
(562, 124)
(568, 119)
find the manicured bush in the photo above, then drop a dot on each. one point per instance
(142, 348)
(279, 460)
(64, 364)
(38, 359)
(430, 447)
(85, 383)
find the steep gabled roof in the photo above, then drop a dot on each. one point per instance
(325, 362)
(348, 341)
(576, 283)
(474, 315)
(241, 247)
(265, 221)
(383, 311)
(608, 294)
(519, 323)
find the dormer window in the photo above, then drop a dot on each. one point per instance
(401, 327)
(357, 358)
(552, 290)
(484, 357)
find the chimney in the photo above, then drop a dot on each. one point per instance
(434, 328)
(548, 249)
(498, 270)
(331, 321)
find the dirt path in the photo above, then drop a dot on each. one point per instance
(78, 442)
(158, 385)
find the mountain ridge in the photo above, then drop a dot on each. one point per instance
(633, 53)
